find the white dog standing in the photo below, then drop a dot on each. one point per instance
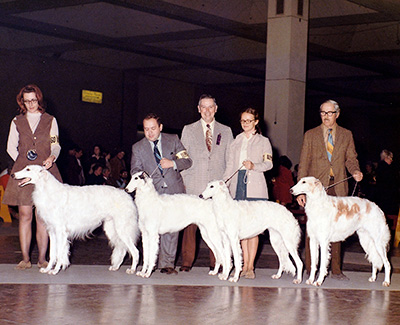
(164, 213)
(73, 211)
(246, 219)
(332, 219)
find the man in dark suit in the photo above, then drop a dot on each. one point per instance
(328, 150)
(162, 156)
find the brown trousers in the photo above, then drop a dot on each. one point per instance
(336, 247)
(189, 247)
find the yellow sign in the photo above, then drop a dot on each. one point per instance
(90, 96)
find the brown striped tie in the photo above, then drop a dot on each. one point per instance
(208, 137)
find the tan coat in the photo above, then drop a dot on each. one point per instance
(314, 159)
(259, 152)
(207, 166)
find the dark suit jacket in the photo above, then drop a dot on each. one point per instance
(143, 160)
(314, 159)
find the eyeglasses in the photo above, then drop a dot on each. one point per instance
(329, 113)
(246, 121)
(32, 101)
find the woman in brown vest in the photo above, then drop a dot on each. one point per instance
(32, 140)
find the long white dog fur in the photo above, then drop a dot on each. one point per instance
(164, 213)
(245, 219)
(332, 219)
(72, 211)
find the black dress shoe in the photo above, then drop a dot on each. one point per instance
(185, 269)
(168, 270)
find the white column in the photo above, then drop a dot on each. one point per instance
(285, 82)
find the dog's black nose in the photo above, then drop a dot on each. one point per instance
(126, 190)
(201, 196)
(291, 191)
(13, 175)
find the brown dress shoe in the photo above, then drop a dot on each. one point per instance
(168, 270)
(185, 269)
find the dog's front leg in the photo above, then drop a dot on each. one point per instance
(146, 252)
(53, 255)
(314, 260)
(62, 250)
(323, 263)
(237, 258)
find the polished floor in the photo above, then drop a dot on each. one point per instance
(87, 293)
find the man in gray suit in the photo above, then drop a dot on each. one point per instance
(206, 142)
(162, 156)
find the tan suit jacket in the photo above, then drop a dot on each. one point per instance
(207, 166)
(314, 159)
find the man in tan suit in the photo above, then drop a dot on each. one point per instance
(209, 162)
(329, 168)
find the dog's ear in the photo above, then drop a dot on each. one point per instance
(44, 173)
(317, 185)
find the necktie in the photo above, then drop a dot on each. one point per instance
(208, 137)
(157, 156)
(329, 147)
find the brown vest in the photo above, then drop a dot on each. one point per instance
(40, 141)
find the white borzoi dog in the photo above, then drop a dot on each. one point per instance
(245, 219)
(73, 211)
(165, 213)
(333, 219)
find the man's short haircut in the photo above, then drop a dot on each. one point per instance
(154, 116)
(331, 101)
(207, 96)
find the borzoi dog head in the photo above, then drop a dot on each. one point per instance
(138, 179)
(309, 186)
(30, 174)
(213, 188)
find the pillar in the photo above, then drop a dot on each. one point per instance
(285, 82)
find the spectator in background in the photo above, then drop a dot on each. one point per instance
(123, 179)
(283, 182)
(117, 164)
(96, 178)
(74, 174)
(387, 188)
(107, 177)
(96, 159)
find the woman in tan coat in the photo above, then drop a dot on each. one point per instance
(251, 154)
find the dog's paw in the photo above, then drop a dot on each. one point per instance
(372, 279)
(112, 268)
(233, 279)
(130, 271)
(309, 282)
(213, 272)
(44, 270)
(296, 281)
(222, 277)
(53, 272)
(275, 276)
(317, 283)
(140, 273)
(386, 283)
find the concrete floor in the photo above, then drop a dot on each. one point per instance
(87, 293)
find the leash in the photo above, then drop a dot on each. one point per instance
(232, 175)
(343, 180)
